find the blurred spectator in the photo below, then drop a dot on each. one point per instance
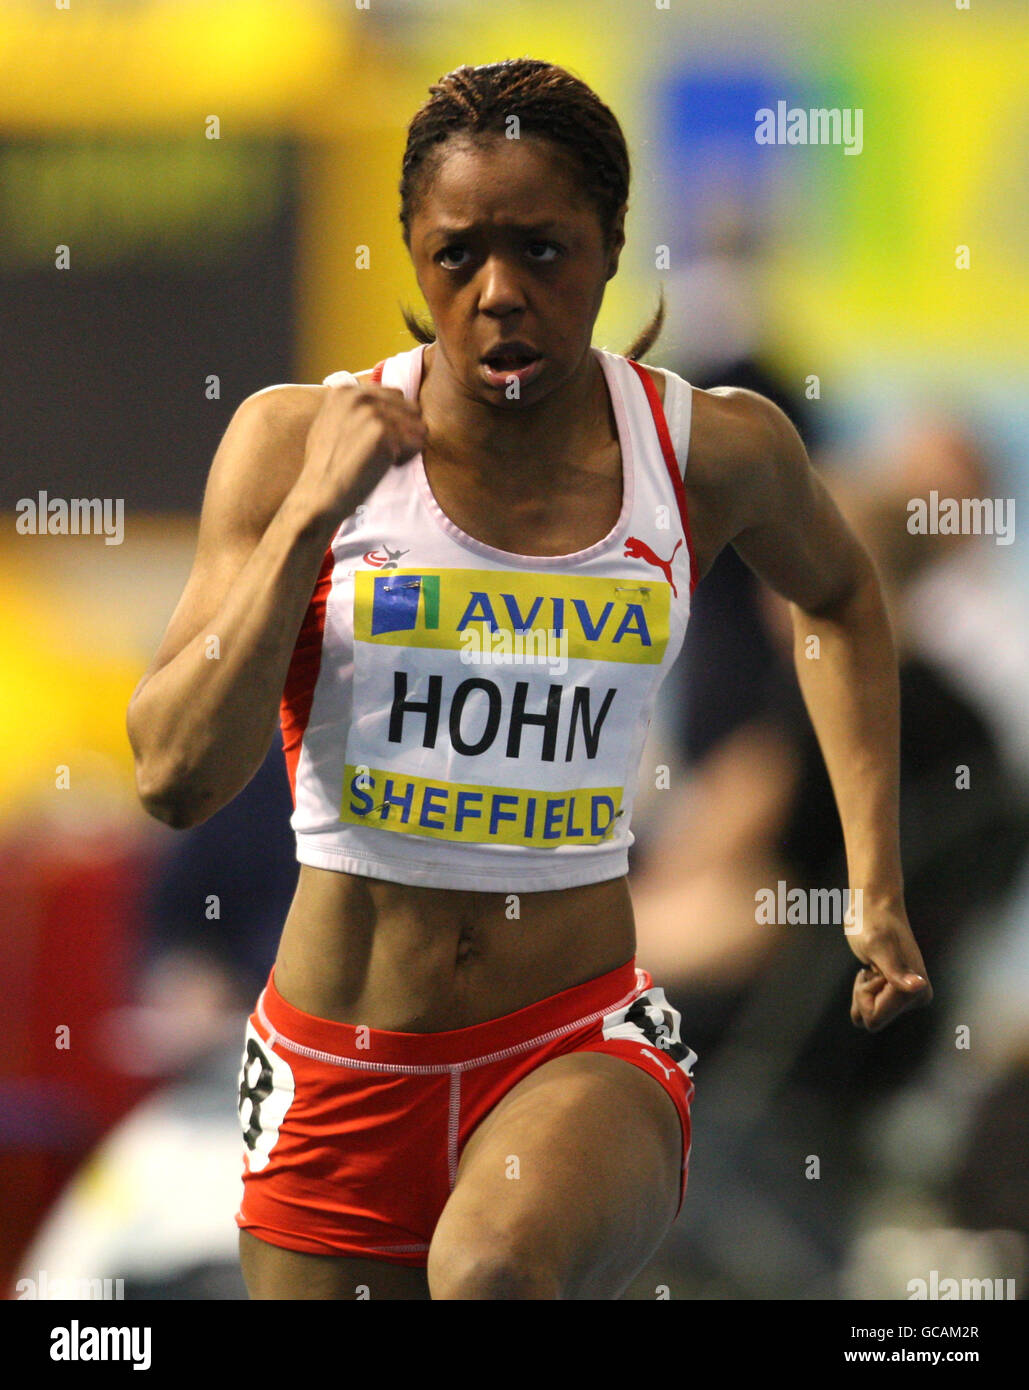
(767, 1008)
(226, 887)
(153, 1204)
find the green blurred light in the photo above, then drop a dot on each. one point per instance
(157, 204)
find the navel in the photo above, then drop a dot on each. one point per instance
(469, 947)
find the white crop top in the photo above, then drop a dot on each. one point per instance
(459, 716)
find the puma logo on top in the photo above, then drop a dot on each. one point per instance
(635, 549)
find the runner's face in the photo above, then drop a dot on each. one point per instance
(507, 248)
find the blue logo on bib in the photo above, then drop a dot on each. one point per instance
(396, 599)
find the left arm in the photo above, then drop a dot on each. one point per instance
(792, 535)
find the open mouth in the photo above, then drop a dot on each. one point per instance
(510, 361)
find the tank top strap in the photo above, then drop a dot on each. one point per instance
(676, 470)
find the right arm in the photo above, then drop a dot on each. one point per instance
(294, 462)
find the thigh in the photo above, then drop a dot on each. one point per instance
(269, 1271)
(565, 1189)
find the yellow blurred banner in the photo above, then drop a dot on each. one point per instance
(166, 64)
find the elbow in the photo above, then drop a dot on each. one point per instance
(173, 814)
(180, 780)
(163, 783)
(166, 797)
(179, 792)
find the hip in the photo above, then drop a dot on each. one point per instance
(353, 1135)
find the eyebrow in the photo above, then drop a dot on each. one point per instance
(451, 233)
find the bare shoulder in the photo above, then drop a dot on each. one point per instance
(285, 410)
(258, 460)
(746, 462)
(260, 457)
(291, 406)
(731, 426)
(737, 432)
(262, 451)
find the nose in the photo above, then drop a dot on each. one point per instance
(500, 287)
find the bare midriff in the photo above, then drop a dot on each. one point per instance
(423, 960)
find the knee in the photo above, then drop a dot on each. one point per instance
(498, 1271)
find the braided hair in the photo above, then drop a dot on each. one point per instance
(549, 102)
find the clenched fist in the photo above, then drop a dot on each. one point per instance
(358, 433)
(894, 978)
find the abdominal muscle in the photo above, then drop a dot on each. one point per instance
(424, 960)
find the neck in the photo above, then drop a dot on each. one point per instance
(521, 439)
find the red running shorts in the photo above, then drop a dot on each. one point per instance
(353, 1135)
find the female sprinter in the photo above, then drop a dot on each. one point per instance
(456, 1083)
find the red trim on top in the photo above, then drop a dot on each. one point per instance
(305, 663)
(671, 462)
(302, 676)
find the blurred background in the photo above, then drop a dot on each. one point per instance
(212, 170)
